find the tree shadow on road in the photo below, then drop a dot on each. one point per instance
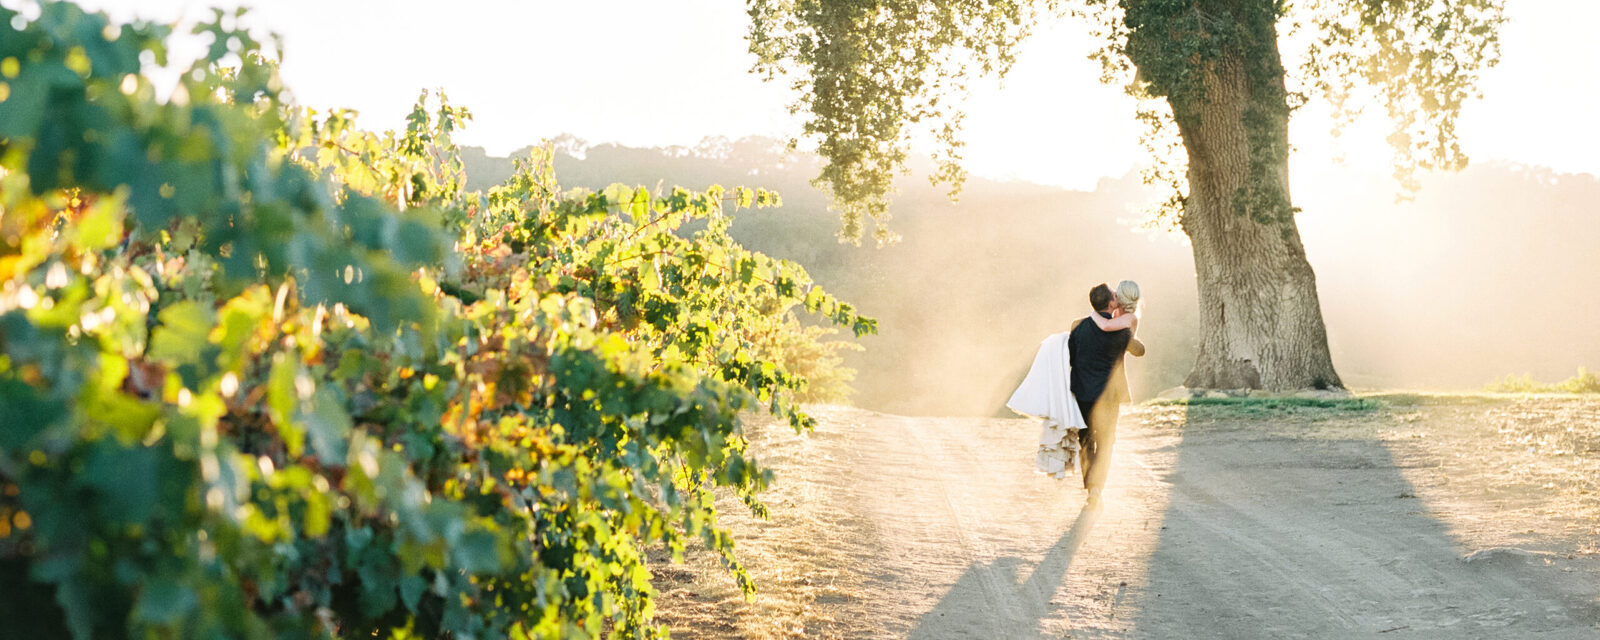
(1273, 533)
(988, 600)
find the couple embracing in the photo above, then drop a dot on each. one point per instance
(1077, 385)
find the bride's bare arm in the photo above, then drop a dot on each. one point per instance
(1124, 321)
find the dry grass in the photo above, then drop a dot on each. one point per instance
(1520, 470)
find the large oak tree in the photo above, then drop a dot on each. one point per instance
(869, 73)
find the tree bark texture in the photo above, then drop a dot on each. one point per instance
(1260, 321)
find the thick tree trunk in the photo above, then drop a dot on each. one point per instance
(1260, 321)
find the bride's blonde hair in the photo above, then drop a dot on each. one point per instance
(1128, 296)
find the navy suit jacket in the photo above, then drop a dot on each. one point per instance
(1095, 357)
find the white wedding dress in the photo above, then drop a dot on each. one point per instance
(1047, 394)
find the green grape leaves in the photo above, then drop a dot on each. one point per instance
(266, 374)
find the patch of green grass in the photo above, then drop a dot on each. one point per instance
(1366, 402)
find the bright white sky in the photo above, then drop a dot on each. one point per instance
(647, 72)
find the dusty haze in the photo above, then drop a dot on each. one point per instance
(1488, 272)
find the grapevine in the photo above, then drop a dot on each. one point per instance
(266, 374)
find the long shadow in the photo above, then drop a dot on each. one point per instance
(1291, 536)
(966, 611)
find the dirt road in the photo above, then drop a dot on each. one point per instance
(937, 528)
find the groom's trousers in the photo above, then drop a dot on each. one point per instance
(1095, 442)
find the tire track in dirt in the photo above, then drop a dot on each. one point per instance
(984, 543)
(996, 591)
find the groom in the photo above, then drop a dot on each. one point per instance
(1100, 386)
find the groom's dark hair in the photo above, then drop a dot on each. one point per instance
(1100, 297)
